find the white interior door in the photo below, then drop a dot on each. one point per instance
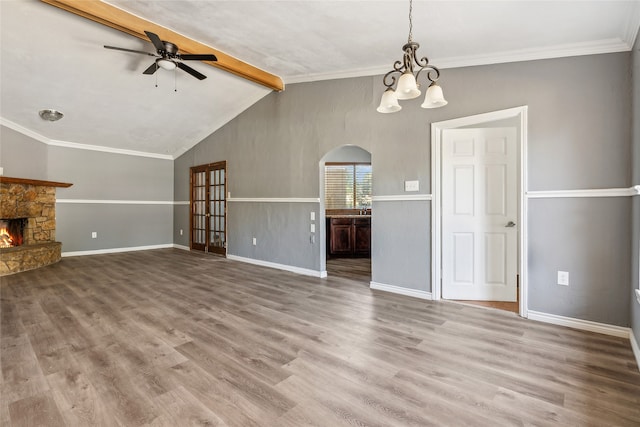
(479, 213)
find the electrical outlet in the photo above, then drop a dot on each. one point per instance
(94, 234)
(181, 232)
(563, 278)
(254, 241)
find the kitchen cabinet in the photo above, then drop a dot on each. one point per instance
(349, 236)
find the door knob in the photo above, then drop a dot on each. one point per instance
(510, 224)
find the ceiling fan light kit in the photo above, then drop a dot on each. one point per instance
(406, 86)
(168, 57)
(166, 64)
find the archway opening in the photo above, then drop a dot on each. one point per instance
(346, 179)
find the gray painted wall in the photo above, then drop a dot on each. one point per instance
(22, 156)
(98, 176)
(579, 138)
(635, 212)
(112, 177)
(589, 238)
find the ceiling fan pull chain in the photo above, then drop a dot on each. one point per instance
(175, 80)
(156, 75)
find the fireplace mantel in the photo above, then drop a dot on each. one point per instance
(9, 180)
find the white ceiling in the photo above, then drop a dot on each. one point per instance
(54, 59)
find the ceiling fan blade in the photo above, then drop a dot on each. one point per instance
(199, 57)
(155, 40)
(152, 69)
(191, 71)
(130, 50)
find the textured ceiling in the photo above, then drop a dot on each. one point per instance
(53, 59)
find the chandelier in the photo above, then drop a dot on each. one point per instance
(409, 70)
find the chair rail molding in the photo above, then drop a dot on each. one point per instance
(589, 192)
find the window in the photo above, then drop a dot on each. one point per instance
(347, 185)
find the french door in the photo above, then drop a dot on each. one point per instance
(208, 221)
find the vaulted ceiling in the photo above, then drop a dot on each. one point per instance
(51, 58)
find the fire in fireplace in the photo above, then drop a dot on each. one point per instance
(12, 232)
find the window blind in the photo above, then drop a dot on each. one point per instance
(347, 186)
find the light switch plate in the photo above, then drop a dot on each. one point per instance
(412, 186)
(313, 228)
(563, 278)
(313, 216)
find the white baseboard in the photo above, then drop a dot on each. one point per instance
(184, 248)
(585, 325)
(401, 291)
(291, 268)
(635, 348)
(117, 250)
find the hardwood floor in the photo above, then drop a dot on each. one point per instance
(500, 305)
(169, 337)
(358, 269)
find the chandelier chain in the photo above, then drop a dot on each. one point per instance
(410, 21)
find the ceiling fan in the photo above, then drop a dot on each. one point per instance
(168, 57)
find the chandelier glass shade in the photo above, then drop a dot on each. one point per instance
(406, 86)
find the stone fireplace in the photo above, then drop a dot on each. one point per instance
(28, 224)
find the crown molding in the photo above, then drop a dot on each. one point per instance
(595, 47)
(57, 143)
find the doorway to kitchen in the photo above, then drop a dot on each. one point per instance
(346, 179)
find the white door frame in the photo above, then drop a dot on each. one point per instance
(436, 186)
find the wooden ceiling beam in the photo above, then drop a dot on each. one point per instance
(121, 20)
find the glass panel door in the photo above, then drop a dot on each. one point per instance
(208, 208)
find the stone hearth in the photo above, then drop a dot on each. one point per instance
(36, 201)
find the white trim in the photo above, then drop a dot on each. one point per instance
(402, 198)
(275, 199)
(635, 348)
(400, 290)
(638, 295)
(115, 202)
(585, 325)
(66, 144)
(181, 247)
(117, 250)
(181, 202)
(559, 51)
(596, 192)
(291, 268)
(436, 149)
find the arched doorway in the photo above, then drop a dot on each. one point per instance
(345, 213)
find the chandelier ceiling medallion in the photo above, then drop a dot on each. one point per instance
(407, 84)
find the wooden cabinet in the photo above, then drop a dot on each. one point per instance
(349, 236)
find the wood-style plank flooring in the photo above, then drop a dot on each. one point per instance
(172, 338)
